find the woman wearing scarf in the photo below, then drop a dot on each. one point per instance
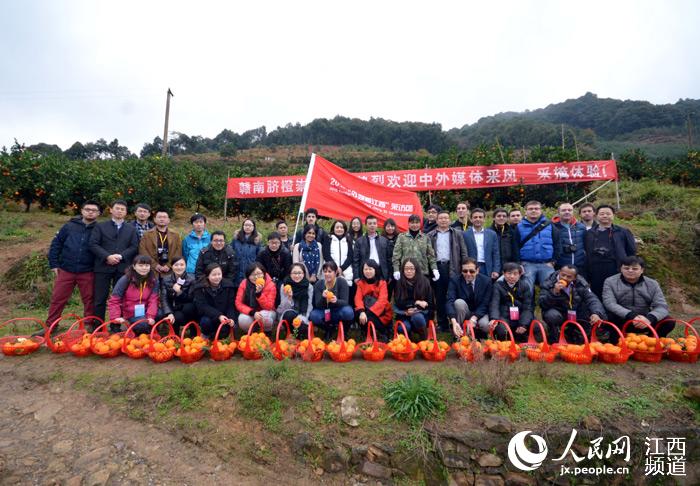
(338, 247)
(413, 302)
(214, 297)
(255, 299)
(372, 301)
(308, 251)
(331, 304)
(296, 299)
(246, 245)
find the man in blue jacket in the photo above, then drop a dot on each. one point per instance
(72, 262)
(196, 241)
(483, 245)
(539, 244)
(572, 235)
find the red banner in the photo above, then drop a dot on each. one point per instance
(337, 193)
(472, 177)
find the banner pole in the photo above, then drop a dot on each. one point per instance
(228, 176)
(617, 184)
(304, 195)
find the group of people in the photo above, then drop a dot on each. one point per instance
(141, 272)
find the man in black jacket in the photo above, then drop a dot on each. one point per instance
(564, 296)
(114, 244)
(71, 261)
(218, 252)
(469, 297)
(371, 246)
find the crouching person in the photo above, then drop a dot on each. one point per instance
(214, 298)
(630, 295)
(296, 299)
(331, 304)
(566, 296)
(135, 297)
(255, 300)
(468, 297)
(511, 303)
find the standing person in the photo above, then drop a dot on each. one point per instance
(571, 238)
(587, 214)
(372, 300)
(630, 295)
(217, 252)
(371, 246)
(296, 298)
(246, 245)
(390, 233)
(198, 239)
(72, 262)
(135, 297)
(275, 258)
(161, 244)
(255, 299)
(539, 244)
(462, 222)
(308, 251)
(283, 230)
(607, 245)
(416, 245)
(331, 304)
(430, 222)
(450, 252)
(114, 243)
(469, 297)
(515, 216)
(512, 303)
(355, 230)
(214, 298)
(483, 245)
(338, 247)
(176, 300)
(311, 217)
(413, 302)
(508, 237)
(142, 222)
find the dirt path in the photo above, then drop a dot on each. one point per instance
(52, 434)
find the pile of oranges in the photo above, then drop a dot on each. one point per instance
(19, 346)
(82, 347)
(317, 345)
(163, 351)
(607, 348)
(641, 343)
(402, 349)
(193, 345)
(107, 347)
(575, 348)
(283, 349)
(334, 346)
(257, 341)
(466, 348)
(138, 347)
(499, 347)
(222, 351)
(689, 344)
(428, 345)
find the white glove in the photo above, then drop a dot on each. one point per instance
(397, 275)
(436, 275)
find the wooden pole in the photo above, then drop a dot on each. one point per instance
(167, 117)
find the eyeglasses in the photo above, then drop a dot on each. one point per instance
(468, 271)
(91, 210)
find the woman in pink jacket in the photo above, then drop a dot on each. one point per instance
(135, 296)
(254, 301)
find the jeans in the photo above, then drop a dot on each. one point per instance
(415, 323)
(210, 326)
(344, 313)
(537, 273)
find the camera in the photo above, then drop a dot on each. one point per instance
(570, 248)
(162, 256)
(601, 252)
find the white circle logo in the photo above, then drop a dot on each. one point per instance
(521, 456)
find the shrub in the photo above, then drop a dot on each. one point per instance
(414, 398)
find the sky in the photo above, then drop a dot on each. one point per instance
(83, 70)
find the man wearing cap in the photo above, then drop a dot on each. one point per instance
(193, 243)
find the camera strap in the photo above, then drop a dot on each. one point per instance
(534, 233)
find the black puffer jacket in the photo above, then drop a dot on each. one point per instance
(583, 300)
(169, 300)
(215, 302)
(226, 258)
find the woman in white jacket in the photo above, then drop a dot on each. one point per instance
(338, 247)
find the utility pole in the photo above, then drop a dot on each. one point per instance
(690, 133)
(167, 117)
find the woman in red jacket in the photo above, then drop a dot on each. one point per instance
(372, 300)
(256, 300)
(135, 296)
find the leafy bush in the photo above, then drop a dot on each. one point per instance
(414, 398)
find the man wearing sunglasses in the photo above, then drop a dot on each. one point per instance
(468, 297)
